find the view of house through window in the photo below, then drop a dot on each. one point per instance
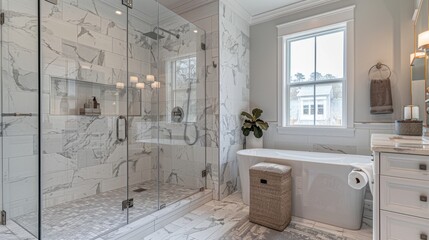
(315, 78)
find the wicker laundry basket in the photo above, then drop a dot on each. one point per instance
(270, 195)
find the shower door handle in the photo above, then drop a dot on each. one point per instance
(121, 139)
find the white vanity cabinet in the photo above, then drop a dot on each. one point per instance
(401, 204)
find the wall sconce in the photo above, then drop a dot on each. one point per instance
(140, 85)
(120, 85)
(423, 40)
(134, 79)
(416, 55)
(156, 85)
(150, 78)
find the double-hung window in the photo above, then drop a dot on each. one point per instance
(315, 78)
(315, 71)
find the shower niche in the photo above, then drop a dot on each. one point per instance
(69, 97)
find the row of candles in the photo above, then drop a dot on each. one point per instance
(134, 79)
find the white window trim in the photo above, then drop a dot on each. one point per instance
(318, 23)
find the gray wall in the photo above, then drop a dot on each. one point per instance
(383, 32)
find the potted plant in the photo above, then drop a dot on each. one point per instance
(253, 123)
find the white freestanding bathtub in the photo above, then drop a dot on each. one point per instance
(320, 191)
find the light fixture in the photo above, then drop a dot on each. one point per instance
(423, 40)
(134, 79)
(155, 85)
(140, 85)
(118, 12)
(195, 31)
(416, 55)
(150, 78)
(120, 85)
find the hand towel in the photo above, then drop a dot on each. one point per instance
(381, 97)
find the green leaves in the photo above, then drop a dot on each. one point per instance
(247, 115)
(257, 132)
(256, 113)
(252, 123)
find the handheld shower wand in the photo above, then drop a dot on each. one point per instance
(185, 132)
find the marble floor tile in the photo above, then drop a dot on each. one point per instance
(228, 220)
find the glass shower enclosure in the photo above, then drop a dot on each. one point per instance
(103, 114)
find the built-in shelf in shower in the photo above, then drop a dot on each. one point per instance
(68, 96)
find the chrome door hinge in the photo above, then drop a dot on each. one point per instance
(128, 3)
(129, 203)
(2, 19)
(3, 217)
(52, 1)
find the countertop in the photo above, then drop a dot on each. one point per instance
(399, 144)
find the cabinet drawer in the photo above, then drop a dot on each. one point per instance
(404, 196)
(396, 226)
(405, 165)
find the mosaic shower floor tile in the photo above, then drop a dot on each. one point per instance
(92, 216)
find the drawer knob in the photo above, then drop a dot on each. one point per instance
(423, 198)
(423, 236)
(423, 167)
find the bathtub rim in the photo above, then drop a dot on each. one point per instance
(313, 155)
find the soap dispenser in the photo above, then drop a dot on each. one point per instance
(95, 103)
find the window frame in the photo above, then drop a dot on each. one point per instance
(287, 40)
(171, 78)
(343, 17)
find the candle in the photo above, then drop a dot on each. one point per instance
(134, 79)
(407, 112)
(120, 85)
(156, 85)
(150, 78)
(140, 85)
(415, 113)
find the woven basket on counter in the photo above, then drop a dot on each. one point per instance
(270, 195)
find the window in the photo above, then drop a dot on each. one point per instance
(316, 71)
(315, 67)
(182, 85)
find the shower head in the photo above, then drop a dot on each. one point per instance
(155, 36)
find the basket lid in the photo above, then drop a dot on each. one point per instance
(271, 167)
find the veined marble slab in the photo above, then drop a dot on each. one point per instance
(399, 144)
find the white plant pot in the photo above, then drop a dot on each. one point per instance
(253, 142)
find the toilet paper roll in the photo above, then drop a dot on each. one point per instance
(368, 169)
(357, 179)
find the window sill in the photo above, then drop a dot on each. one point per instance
(317, 131)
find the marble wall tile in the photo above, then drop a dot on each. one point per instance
(234, 93)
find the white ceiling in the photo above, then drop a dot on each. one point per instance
(256, 7)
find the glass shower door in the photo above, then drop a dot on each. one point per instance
(19, 108)
(84, 115)
(143, 108)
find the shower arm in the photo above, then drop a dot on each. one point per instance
(169, 32)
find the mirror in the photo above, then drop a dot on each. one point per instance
(419, 60)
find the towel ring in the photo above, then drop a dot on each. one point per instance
(379, 71)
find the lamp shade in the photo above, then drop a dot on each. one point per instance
(423, 40)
